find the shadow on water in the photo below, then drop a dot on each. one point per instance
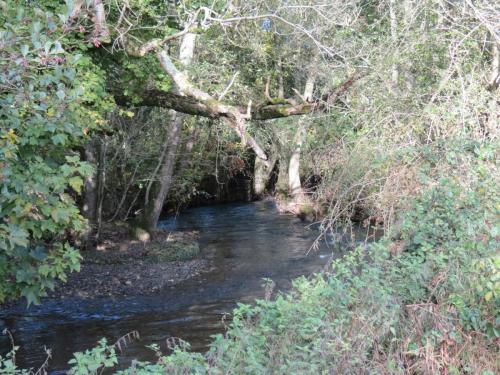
(246, 241)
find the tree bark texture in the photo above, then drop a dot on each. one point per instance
(153, 210)
(294, 184)
(262, 174)
(154, 207)
(90, 193)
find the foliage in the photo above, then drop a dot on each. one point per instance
(359, 314)
(93, 360)
(42, 122)
(8, 365)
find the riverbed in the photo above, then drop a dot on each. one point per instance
(247, 242)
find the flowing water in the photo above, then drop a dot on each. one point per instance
(246, 241)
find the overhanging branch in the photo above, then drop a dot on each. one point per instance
(191, 100)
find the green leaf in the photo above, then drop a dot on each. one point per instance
(72, 159)
(488, 296)
(32, 294)
(18, 236)
(24, 50)
(38, 253)
(59, 139)
(44, 270)
(76, 183)
(47, 46)
(61, 94)
(59, 215)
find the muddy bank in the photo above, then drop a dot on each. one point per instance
(123, 266)
(128, 279)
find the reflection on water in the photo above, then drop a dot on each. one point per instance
(247, 242)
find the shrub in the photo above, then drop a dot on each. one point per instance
(46, 113)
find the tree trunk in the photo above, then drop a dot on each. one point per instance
(294, 185)
(89, 209)
(154, 207)
(282, 183)
(262, 173)
(101, 183)
(394, 39)
(153, 210)
(309, 88)
(187, 153)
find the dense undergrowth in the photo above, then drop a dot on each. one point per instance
(424, 299)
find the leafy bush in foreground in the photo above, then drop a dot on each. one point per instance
(47, 108)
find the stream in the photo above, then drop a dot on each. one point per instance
(246, 242)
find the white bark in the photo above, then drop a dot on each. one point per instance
(309, 88)
(101, 30)
(294, 184)
(186, 51)
(262, 173)
(180, 78)
(153, 211)
(233, 116)
(282, 183)
(394, 38)
(495, 65)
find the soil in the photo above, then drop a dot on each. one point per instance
(123, 266)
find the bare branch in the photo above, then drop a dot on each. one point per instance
(203, 103)
(181, 80)
(495, 66)
(221, 96)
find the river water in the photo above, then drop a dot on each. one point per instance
(246, 241)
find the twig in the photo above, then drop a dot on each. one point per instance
(221, 96)
(42, 369)
(8, 333)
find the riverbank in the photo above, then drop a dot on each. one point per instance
(122, 265)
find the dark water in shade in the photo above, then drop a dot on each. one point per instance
(247, 242)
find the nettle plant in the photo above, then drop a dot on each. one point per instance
(45, 114)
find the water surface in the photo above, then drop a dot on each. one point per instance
(246, 241)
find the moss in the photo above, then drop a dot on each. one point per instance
(140, 234)
(280, 101)
(177, 250)
(307, 212)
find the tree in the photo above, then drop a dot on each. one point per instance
(153, 209)
(46, 113)
(186, 97)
